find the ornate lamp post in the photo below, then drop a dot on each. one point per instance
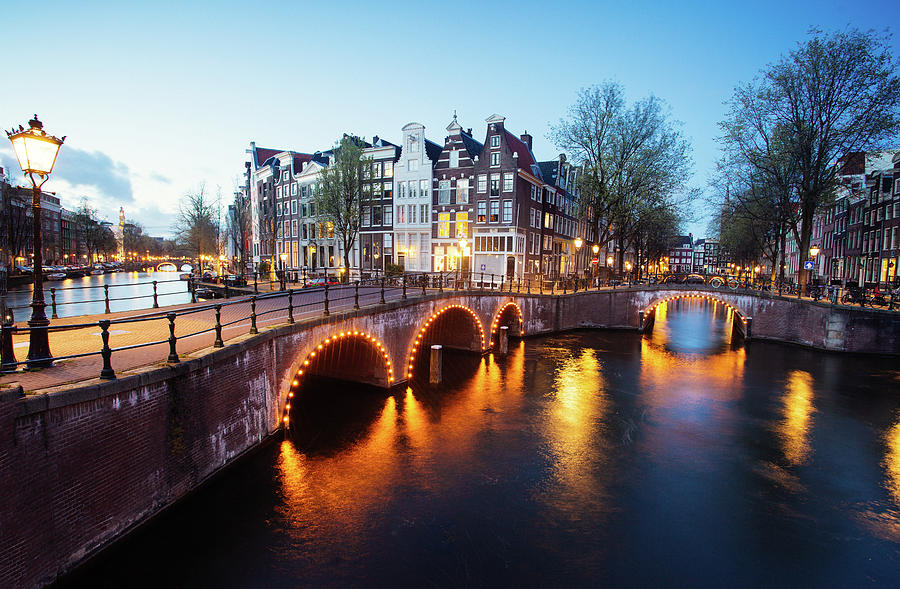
(36, 152)
(578, 243)
(283, 257)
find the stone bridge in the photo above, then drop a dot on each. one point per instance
(81, 466)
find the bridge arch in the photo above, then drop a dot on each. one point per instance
(649, 311)
(442, 320)
(343, 353)
(509, 315)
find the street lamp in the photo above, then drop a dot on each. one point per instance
(578, 243)
(462, 242)
(36, 152)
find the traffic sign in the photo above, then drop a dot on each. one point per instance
(595, 261)
(482, 267)
(808, 265)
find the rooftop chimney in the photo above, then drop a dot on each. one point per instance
(469, 131)
(526, 139)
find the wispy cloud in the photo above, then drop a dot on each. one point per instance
(157, 177)
(94, 172)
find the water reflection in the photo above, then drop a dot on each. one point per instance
(892, 460)
(797, 412)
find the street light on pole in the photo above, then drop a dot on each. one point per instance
(36, 152)
(283, 256)
(578, 243)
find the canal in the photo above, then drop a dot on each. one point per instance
(593, 458)
(86, 296)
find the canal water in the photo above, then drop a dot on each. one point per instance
(85, 296)
(593, 458)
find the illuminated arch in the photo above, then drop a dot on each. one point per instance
(648, 312)
(172, 264)
(421, 333)
(495, 324)
(320, 347)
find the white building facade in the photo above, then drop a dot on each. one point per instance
(412, 199)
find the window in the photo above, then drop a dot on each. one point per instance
(413, 145)
(507, 211)
(454, 158)
(284, 175)
(482, 182)
(294, 228)
(495, 184)
(366, 218)
(423, 213)
(312, 209)
(462, 224)
(495, 211)
(482, 211)
(548, 221)
(388, 189)
(444, 192)
(423, 188)
(462, 190)
(443, 224)
(376, 169)
(293, 207)
(413, 165)
(279, 209)
(388, 215)
(376, 216)
(303, 231)
(401, 218)
(402, 190)
(388, 169)
(412, 213)
(495, 159)
(495, 141)
(293, 190)
(507, 182)
(376, 190)
(533, 193)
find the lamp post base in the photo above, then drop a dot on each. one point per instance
(38, 344)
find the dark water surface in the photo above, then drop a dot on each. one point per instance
(586, 459)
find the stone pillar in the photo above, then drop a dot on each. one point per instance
(503, 340)
(748, 327)
(434, 372)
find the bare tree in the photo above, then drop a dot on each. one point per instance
(836, 94)
(196, 228)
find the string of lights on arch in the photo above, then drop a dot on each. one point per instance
(329, 341)
(429, 321)
(499, 314)
(710, 298)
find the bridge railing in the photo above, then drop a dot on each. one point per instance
(163, 327)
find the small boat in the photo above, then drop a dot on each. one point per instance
(56, 276)
(185, 276)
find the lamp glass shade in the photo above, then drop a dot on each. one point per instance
(578, 243)
(36, 153)
(814, 251)
(596, 249)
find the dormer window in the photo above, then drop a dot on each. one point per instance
(413, 144)
(495, 141)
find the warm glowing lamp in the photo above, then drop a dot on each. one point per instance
(596, 249)
(578, 243)
(814, 251)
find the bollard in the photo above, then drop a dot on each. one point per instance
(106, 296)
(253, 315)
(492, 281)
(482, 281)
(291, 306)
(748, 328)
(226, 290)
(356, 295)
(404, 286)
(382, 290)
(173, 355)
(53, 303)
(155, 297)
(218, 343)
(106, 373)
(326, 313)
(503, 340)
(255, 282)
(424, 282)
(441, 284)
(434, 369)
(8, 361)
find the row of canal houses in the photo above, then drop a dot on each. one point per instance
(474, 205)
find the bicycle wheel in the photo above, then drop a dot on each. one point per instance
(733, 284)
(716, 282)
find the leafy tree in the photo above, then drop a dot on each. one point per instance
(339, 192)
(196, 228)
(836, 94)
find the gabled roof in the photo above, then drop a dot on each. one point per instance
(263, 154)
(473, 146)
(526, 158)
(549, 171)
(432, 150)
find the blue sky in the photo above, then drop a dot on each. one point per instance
(158, 97)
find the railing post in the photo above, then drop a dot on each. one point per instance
(356, 295)
(155, 297)
(8, 362)
(255, 282)
(253, 329)
(424, 282)
(218, 343)
(519, 284)
(106, 373)
(106, 296)
(291, 306)
(173, 355)
(565, 285)
(575, 285)
(382, 290)
(404, 286)
(553, 286)
(541, 285)
(528, 285)
(482, 281)
(326, 298)
(441, 283)
(492, 281)
(53, 315)
(226, 288)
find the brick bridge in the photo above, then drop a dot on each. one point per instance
(79, 467)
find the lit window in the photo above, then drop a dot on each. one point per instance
(443, 224)
(495, 211)
(462, 224)
(482, 211)
(388, 169)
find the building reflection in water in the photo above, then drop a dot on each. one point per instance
(794, 428)
(892, 460)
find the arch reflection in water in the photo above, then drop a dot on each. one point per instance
(693, 325)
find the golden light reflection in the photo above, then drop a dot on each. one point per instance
(577, 419)
(797, 412)
(343, 491)
(892, 460)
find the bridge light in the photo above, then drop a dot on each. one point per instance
(312, 354)
(291, 395)
(306, 362)
(319, 347)
(285, 418)
(288, 406)
(300, 372)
